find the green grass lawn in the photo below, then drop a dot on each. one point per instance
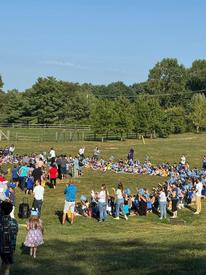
(141, 245)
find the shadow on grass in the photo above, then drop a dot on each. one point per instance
(94, 256)
(59, 214)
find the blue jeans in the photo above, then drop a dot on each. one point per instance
(37, 204)
(163, 209)
(22, 181)
(102, 210)
(119, 206)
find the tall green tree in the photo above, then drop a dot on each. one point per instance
(45, 100)
(168, 80)
(198, 111)
(197, 75)
(103, 117)
(1, 84)
(13, 109)
(124, 116)
(149, 116)
(176, 119)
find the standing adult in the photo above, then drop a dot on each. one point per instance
(8, 233)
(175, 199)
(163, 204)
(52, 155)
(130, 156)
(75, 167)
(119, 202)
(81, 153)
(102, 203)
(198, 195)
(96, 153)
(11, 149)
(204, 162)
(63, 166)
(183, 160)
(37, 174)
(40, 163)
(53, 173)
(23, 174)
(69, 204)
(38, 197)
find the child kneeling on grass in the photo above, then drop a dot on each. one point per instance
(34, 236)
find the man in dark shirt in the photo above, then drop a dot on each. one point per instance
(37, 174)
(8, 233)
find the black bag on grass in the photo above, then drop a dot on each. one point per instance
(24, 211)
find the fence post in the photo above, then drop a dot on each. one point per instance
(8, 134)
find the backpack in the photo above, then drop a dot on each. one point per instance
(24, 211)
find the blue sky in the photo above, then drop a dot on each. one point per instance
(96, 41)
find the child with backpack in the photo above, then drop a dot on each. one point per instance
(34, 237)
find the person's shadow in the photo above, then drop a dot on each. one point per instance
(59, 214)
(24, 249)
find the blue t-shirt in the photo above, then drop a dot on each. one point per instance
(70, 192)
(15, 173)
(23, 171)
(30, 183)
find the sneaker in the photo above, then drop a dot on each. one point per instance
(126, 218)
(54, 187)
(117, 218)
(196, 213)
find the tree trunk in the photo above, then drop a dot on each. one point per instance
(198, 129)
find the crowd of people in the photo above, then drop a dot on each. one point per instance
(183, 187)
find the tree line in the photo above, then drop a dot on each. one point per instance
(171, 100)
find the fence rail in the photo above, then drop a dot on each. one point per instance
(47, 126)
(61, 136)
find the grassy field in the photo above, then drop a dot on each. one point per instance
(141, 245)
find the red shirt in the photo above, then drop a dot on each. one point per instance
(2, 179)
(53, 172)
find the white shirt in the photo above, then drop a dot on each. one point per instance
(119, 194)
(199, 189)
(183, 160)
(39, 192)
(81, 151)
(11, 149)
(102, 196)
(162, 197)
(52, 154)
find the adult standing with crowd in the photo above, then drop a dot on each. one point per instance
(119, 201)
(198, 195)
(102, 203)
(162, 204)
(23, 174)
(69, 204)
(52, 155)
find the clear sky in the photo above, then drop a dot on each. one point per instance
(96, 41)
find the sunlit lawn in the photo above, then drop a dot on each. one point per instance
(142, 245)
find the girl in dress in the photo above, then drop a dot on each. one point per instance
(34, 236)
